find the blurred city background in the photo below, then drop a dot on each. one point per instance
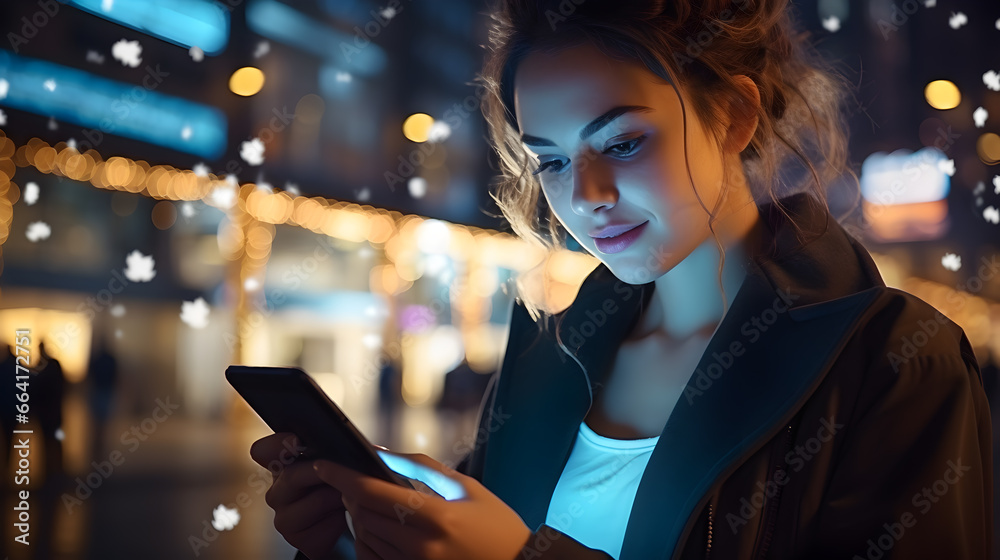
(187, 184)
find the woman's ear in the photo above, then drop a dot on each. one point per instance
(742, 114)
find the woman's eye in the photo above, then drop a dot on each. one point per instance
(629, 146)
(545, 166)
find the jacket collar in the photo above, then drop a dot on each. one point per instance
(736, 400)
(828, 265)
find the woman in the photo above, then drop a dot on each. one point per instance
(734, 379)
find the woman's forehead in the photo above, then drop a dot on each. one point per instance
(568, 88)
(573, 72)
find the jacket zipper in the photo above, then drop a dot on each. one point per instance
(772, 510)
(708, 546)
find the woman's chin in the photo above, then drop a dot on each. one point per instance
(635, 275)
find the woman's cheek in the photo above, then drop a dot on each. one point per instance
(555, 190)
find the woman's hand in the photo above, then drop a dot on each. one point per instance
(396, 523)
(308, 513)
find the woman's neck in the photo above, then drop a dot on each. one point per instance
(687, 301)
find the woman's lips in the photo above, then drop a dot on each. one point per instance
(619, 242)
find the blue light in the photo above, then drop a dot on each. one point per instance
(448, 488)
(905, 177)
(190, 23)
(336, 83)
(354, 52)
(110, 107)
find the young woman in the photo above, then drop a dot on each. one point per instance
(734, 379)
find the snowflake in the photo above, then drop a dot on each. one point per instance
(388, 12)
(127, 52)
(252, 151)
(31, 193)
(38, 231)
(951, 261)
(991, 79)
(979, 117)
(224, 196)
(139, 267)
(992, 215)
(417, 187)
(957, 20)
(195, 313)
(438, 132)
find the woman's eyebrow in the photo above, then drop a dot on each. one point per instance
(594, 125)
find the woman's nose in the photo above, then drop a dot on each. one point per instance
(592, 190)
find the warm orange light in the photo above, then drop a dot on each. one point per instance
(942, 94)
(988, 148)
(45, 159)
(417, 126)
(246, 81)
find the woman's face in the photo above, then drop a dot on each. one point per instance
(627, 169)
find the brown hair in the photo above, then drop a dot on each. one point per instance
(699, 45)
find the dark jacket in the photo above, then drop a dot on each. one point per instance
(852, 424)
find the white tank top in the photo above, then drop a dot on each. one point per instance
(593, 498)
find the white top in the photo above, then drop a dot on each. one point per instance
(593, 498)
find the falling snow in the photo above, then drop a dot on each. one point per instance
(38, 231)
(139, 267)
(31, 193)
(252, 151)
(127, 52)
(195, 313)
(951, 261)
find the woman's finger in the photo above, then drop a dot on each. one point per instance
(321, 505)
(365, 552)
(292, 484)
(277, 446)
(379, 530)
(317, 543)
(389, 499)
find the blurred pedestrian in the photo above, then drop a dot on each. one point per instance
(102, 378)
(47, 390)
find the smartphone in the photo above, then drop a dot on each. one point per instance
(289, 400)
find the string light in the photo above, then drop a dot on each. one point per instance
(343, 220)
